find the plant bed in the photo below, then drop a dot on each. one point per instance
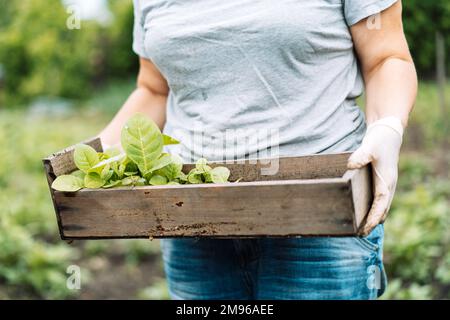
(309, 196)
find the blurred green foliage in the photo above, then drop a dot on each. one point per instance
(421, 21)
(40, 56)
(33, 260)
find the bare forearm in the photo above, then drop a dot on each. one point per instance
(141, 100)
(391, 90)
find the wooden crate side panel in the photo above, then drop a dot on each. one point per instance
(304, 167)
(50, 178)
(221, 210)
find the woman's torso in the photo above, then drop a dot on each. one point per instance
(247, 75)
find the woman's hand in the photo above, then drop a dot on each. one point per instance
(380, 146)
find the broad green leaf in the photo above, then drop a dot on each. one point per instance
(173, 169)
(140, 182)
(85, 157)
(121, 171)
(111, 184)
(100, 165)
(127, 181)
(129, 174)
(68, 183)
(194, 176)
(161, 162)
(93, 180)
(169, 140)
(107, 173)
(112, 152)
(157, 180)
(182, 176)
(122, 167)
(220, 174)
(142, 141)
(102, 156)
(131, 167)
(202, 165)
(79, 174)
(173, 183)
(207, 177)
(133, 181)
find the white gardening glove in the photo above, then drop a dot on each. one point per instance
(380, 146)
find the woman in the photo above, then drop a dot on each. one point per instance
(210, 66)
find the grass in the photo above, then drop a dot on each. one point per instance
(33, 260)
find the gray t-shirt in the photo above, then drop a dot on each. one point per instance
(257, 78)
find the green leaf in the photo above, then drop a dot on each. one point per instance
(202, 165)
(127, 181)
(182, 176)
(194, 176)
(133, 181)
(100, 165)
(207, 177)
(112, 152)
(93, 180)
(111, 184)
(102, 156)
(173, 169)
(173, 183)
(161, 162)
(157, 180)
(68, 183)
(220, 174)
(131, 167)
(106, 173)
(169, 140)
(142, 141)
(122, 167)
(140, 182)
(85, 157)
(79, 174)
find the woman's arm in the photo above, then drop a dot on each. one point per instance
(149, 97)
(391, 88)
(387, 67)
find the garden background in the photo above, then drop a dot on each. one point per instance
(59, 86)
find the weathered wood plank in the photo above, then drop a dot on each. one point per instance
(276, 208)
(304, 167)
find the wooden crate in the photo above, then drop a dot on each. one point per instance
(310, 196)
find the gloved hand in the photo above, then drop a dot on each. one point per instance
(380, 146)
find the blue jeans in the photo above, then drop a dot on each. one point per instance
(276, 268)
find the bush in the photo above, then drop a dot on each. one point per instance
(42, 57)
(421, 20)
(417, 237)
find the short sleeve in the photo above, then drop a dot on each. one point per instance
(357, 10)
(138, 31)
